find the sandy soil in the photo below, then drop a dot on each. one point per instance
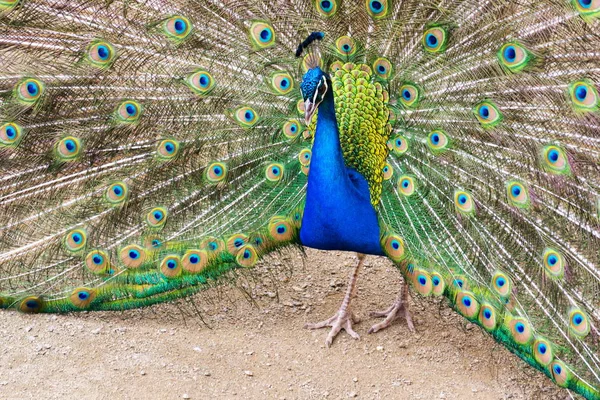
(257, 349)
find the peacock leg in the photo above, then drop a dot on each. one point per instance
(397, 310)
(344, 317)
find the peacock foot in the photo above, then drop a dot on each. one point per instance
(398, 310)
(343, 319)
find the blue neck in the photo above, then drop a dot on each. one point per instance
(327, 161)
(338, 214)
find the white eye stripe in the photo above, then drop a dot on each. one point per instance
(314, 99)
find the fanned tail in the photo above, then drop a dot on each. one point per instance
(149, 148)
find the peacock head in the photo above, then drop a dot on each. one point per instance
(314, 86)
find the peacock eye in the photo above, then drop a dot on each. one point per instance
(345, 46)
(100, 53)
(327, 8)
(177, 28)
(434, 39)
(514, 57)
(68, 148)
(487, 114)
(584, 96)
(322, 89)
(10, 134)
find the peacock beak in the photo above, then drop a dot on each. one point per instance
(309, 110)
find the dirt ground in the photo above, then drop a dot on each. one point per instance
(240, 349)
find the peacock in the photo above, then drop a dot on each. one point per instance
(152, 148)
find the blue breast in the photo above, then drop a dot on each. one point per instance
(337, 219)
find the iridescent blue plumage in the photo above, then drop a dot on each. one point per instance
(338, 214)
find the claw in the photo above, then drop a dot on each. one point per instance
(398, 310)
(341, 320)
(344, 318)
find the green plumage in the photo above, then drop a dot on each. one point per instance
(148, 149)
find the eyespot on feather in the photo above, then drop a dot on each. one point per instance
(216, 172)
(393, 246)
(327, 8)
(170, 266)
(10, 134)
(501, 284)
(437, 141)
(157, 217)
(247, 256)
(117, 193)
(406, 185)
(388, 172)
(246, 117)
(132, 256)
(487, 114)
(177, 28)
(212, 245)
(236, 242)
(29, 90)
(262, 35)
(383, 68)
(584, 96)
(291, 128)
(304, 156)
(97, 261)
(129, 112)
(438, 282)
(200, 82)
(514, 57)
(435, 39)
(410, 95)
(421, 281)
(378, 9)
(554, 160)
(467, 305)
(520, 330)
(345, 46)
(75, 240)
(167, 149)
(100, 53)
(67, 149)
(194, 261)
(542, 351)
(31, 304)
(282, 83)
(554, 263)
(464, 202)
(398, 145)
(488, 317)
(274, 172)
(579, 322)
(82, 297)
(587, 8)
(560, 373)
(153, 242)
(280, 228)
(518, 194)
